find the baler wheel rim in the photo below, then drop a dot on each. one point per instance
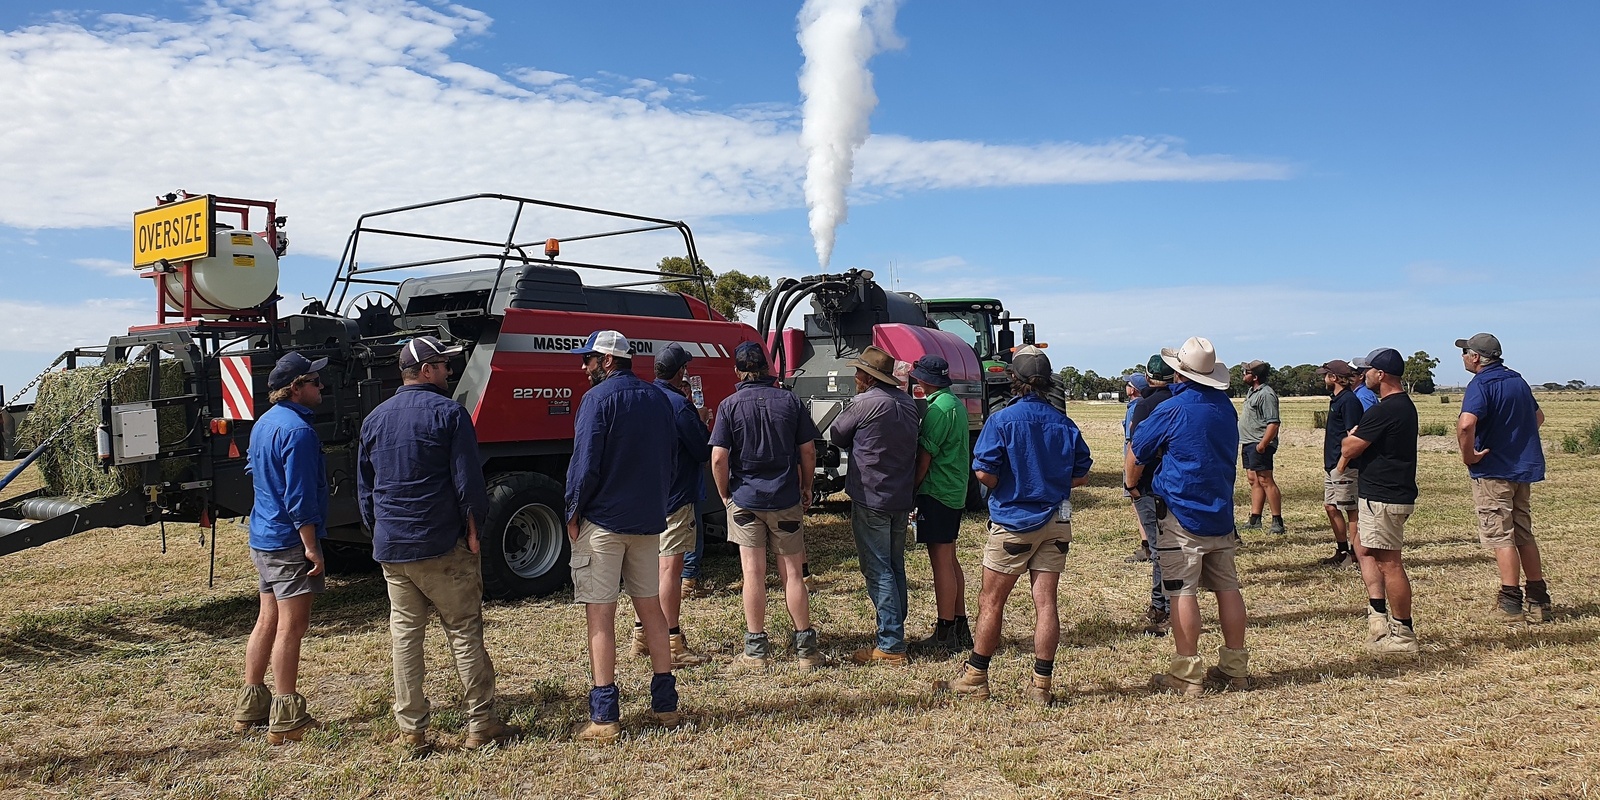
(533, 540)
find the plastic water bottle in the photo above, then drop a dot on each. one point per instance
(697, 391)
(911, 527)
(1064, 511)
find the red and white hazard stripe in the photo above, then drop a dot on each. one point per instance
(238, 388)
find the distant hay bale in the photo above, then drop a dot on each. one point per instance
(1319, 419)
(70, 467)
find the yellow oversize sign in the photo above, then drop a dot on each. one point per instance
(175, 232)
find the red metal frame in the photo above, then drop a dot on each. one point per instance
(265, 313)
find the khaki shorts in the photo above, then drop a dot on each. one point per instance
(1042, 550)
(679, 536)
(782, 532)
(601, 560)
(1339, 490)
(1505, 512)
(1190, 562)
(1382, 526)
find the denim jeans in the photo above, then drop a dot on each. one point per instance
(1145, 506)
(881, 551)
(691, 559)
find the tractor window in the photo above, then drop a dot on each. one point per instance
(972, 326)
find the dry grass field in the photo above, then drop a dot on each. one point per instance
(118, 666)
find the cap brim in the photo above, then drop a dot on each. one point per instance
(940, 381)
(1463, 343)
(317, 366)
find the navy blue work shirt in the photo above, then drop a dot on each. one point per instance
(879, 428)
(694, 449)
(1148, 403)
(1508, 425)
(763, 427)
(1035, 451)
(418, 475)
(1196, 435)
(1344, 413)
(624, 445)
(289, 478)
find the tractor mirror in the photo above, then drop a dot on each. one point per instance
(1027, 333)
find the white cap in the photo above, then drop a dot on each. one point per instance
(606, 343)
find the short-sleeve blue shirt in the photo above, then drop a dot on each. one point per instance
(1367, 397)
(1508, 425)
(763, 427)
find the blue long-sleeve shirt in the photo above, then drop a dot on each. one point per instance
(1196, 436)
(418, 475)
(1036, 451)
(694, 449)
(289, 478)
(623, 447)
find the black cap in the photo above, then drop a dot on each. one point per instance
(932, 370)
(1031, 362)
(292, 366)
(1387, 359)
(424, 349)
(671, 359)
(750, 357)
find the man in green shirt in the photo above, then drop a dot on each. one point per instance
(942, 456)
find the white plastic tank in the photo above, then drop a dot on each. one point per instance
(243, 274)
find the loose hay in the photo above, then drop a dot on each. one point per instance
(70, 466)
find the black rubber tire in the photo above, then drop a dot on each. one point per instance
(525, 548)
(343, 558)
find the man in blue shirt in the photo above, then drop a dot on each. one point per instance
(1367, 397)
(1339, 486)
(763, 459)
(692, 451)
(1158, 615)
(1498, 434)
(1135, 386)
(1195, 435)
(419, 484)
(287, 525)
(623, 448)
(1031, 455)
(879, 429)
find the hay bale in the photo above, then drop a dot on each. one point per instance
(70, 467)
(1319, 419)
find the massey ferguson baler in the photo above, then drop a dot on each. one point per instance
(156, 432)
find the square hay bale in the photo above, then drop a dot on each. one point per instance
(70, 467)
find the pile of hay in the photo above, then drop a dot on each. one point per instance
(70, 466)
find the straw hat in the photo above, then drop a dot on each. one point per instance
(1197, 361)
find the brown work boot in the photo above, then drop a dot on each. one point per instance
(872, 655)
(1157, 621)
(1038, 691)
(1540, 612)
(253, 708)
(600, 732)
(1232, 672)
(682, 656)
(413, 744)
(693, 588)
(641, 646)
(1183, 677)
(667, 719)
(744, 663)
(496, 733)
(970, 683)
(289, 719)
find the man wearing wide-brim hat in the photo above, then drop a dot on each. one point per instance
(1196, 434)
(879, 429)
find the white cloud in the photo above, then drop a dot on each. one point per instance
(108, 266)
(55, 327)
(338, 108)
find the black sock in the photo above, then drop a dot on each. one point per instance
(638, 626)
(945, 624)
(1538, 592)
(1380, 605)
(1406, 622)
(1341, 547)
(977, 662)
(1255, 519)
(1511, 593)
(1043, 668)
(1278, 519)
(675, 631)
(805, 569)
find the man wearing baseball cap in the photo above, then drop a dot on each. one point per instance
(1367, 397)
(941, 482)
(1159, 376)
(287, 525)
(879, 429)
(1196, 434)
(618, 481)
(1339, 484)
(1031, 455)
(1383, 449)
(764, 459)
(1134, 386)
(682, 536)
(1498, 434)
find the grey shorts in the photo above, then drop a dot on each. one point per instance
(286, 573)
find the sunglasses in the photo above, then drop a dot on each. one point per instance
(317, 382)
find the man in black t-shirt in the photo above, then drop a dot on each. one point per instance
(1157, 618)
(1383, 449)
(1339, 486)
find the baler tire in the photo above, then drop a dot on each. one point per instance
(519, 500)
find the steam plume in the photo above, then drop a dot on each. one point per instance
(837, 37)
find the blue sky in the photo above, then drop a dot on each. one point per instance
(1297, 182)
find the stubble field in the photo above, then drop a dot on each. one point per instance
(118, 667)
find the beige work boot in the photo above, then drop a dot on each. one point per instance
(1038, 691)
(1377, 626)
(667, 719)
(600, 732)
(413, 744)
(682, 656)
(970, 683)
(867, 656)
(1539, 613)
(744, 663)
(253, 708)
(808, 653)
(1184, 677)
(1232, 672)
(1401, 640)
(641, 646)
(693, 588)
(289, 719)
(497, 733)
